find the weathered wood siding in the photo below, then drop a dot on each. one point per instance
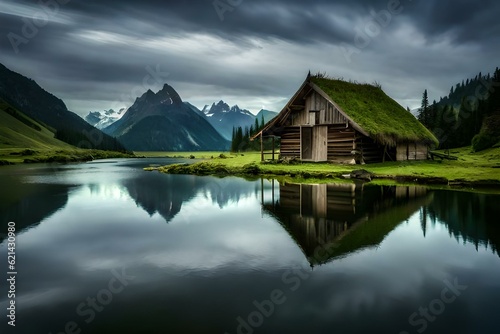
(320, 143)
(326, 112)
(290, 142)
(422, 152)
(341, 143)
(411, 151)
(371, 151)
(402, 151)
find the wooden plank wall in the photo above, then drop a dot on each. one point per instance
(372, 152)
(402, 152)
(290, 142)
(341, 142)
(328, 114)
(411, 151)
(422, 152)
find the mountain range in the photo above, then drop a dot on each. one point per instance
(162, 122)
(220, 115)
(223, 117)
(158, 121)
(27, 98)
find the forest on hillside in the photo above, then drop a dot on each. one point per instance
(469, 115)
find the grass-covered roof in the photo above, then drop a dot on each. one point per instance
(379, 115)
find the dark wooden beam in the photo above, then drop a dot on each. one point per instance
(261, 147)
(273, 147)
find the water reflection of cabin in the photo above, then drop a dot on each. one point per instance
(334, 120)
(345, 218)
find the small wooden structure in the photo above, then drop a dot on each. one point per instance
(338, 121)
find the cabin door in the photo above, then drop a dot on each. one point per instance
(306, 143)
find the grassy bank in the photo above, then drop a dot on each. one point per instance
(14, 155)
(471, 169)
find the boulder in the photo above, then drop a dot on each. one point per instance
(361, 174)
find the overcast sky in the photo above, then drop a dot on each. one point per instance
(100, 54)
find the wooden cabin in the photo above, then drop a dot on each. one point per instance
(345, 122)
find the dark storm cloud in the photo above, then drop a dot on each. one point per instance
(466, 21)
(90, 52)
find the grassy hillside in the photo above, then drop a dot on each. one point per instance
(18, 131)
(23, 139)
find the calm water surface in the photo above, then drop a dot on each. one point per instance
(105, 247)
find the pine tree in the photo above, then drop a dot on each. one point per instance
(432, 115)
(262, 124)
(494, 99)
(238, 139)
(233, 140)
(445, 126)
(424, 110)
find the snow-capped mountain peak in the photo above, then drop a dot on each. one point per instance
(102, 119)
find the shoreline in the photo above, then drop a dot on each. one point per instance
(470, 172)
(338, 174)
(28, 156)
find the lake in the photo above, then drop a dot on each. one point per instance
(104, 247)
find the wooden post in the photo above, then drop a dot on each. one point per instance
(261, 147)
(273, 148)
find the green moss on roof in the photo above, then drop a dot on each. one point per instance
(379, 115)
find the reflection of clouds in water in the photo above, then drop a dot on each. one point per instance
(219, 253)
(109, 191)
(102, 228)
